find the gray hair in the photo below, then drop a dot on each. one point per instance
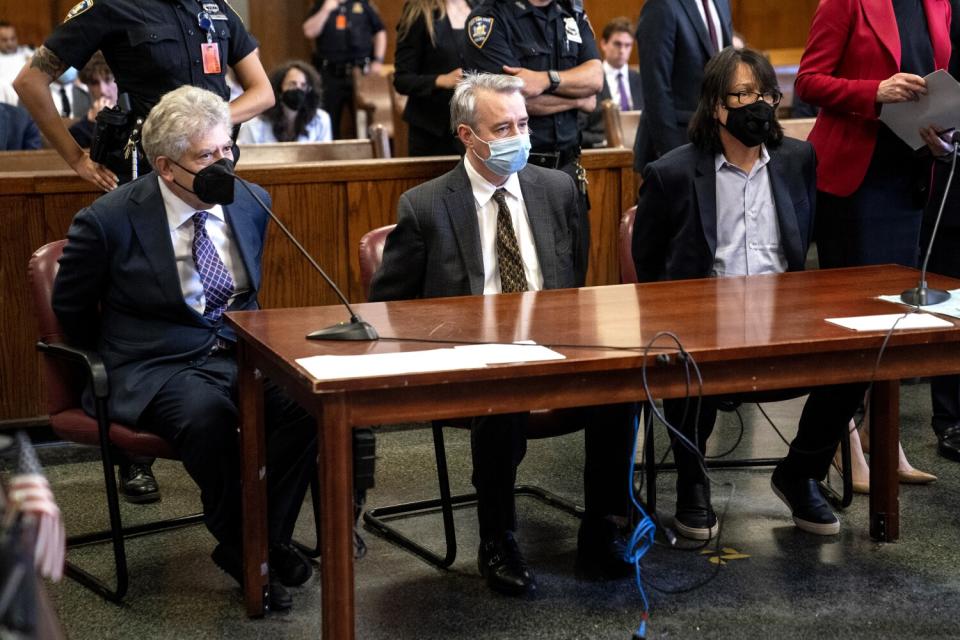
(463, 105)
(178, 118)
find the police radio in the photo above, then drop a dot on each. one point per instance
(110, 133)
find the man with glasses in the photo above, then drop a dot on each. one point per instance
(739, 200)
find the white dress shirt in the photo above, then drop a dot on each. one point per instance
(614, 84)
(259, 130)
(179, 219)
(487, 218)
(716, 20)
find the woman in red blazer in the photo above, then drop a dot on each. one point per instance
(860, 55)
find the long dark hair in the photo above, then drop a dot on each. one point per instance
(275, 113)
(718, 75)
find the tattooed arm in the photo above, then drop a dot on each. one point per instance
(33, 86)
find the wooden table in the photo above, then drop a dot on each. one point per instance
(746, 334)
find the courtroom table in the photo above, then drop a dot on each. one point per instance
(746, 334)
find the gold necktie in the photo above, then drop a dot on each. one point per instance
(512, 277)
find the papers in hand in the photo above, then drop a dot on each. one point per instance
(886, 321)
(474, 356)
(940, 108)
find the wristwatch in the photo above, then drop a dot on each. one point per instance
(554, 77)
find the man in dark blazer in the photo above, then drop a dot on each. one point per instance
(145, 277)
(676, 38)
(739, 200)
(620, 83)
(496, 225)
(18, 131)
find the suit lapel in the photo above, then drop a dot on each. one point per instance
(461, 209)
(247, 238)
(723, 10)
(149, 222)
(705, 185)
(699, 26)
(786, 215)
(541, 225)
(883, 21)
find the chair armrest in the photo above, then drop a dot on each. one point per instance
(91, 360)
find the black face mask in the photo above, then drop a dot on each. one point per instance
(293, 98)
(214, 183)
(752, 124)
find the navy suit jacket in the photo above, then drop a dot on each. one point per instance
(435, 249)
(675, 231)
(674, 46)
(118, 290)
(18, 132)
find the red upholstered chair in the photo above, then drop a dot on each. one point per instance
(66, 370)
(542, 424)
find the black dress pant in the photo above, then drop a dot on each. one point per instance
(499, 443)
(197, 411)
(945, 260)
(337, 96)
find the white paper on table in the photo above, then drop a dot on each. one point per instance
(504, 353)
(940, 108)
(949, 307)
(886, 321)
(387, 364)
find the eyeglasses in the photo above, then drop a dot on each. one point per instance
(772, 98)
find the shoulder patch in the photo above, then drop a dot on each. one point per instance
(78, 8)
(479, 29)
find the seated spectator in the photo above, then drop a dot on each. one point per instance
(103, 94)
(620, 83)
(296, 115)
(739, 179)
(12, 57)
(17, 130)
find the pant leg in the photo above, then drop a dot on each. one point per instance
(697, 428)
(498, 445)
(945, 260)
(608, 447)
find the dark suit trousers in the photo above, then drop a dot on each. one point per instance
(945, 260)
(823, 423)
(499, 443)
(197, 411)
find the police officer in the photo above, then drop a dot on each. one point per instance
(348, 33)
(550, 45)
(152, 46)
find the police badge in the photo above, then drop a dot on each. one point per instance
(479, 29)
(78, 8)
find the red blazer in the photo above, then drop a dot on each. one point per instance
(853, 45)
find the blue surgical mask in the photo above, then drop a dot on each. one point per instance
(507, 155)
(68, 76)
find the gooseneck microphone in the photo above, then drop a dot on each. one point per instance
(356, 328)
(921, 295)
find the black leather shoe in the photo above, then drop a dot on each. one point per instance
(228, 558)
(695, 518)
(601, 548)
(290, 566)
(949, 443)
(811, 513)
(502, 564)
(138, 484)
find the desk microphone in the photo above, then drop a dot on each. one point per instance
(921, 295)
(356, 329)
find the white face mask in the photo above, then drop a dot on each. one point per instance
(507, 155)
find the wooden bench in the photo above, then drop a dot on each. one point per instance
(797, 127)
(620, 127)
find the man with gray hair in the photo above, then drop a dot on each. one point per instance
(495, 225)
(145, 277)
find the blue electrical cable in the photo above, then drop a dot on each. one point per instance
(641, 540)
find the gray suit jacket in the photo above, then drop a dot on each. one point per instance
(435, 249)
(674, 46)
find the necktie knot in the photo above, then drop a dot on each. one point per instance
(200, 219)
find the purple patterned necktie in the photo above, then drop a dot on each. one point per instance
(624, 101)
(710, 26)
(214, 276)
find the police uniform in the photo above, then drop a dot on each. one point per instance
(155, 46)
(345, 42)
(556, 37)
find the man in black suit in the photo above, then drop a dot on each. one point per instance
(739, 200)
(145, 277)
(620, 83)
(18, 131)
(676, 38)
(497, 225)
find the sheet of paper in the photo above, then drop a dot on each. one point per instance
(886, 321)
(940, 107)
(503, 353)
(949, 307)
(388, 364)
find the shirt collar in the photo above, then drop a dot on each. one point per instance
(178, 211)
(610, 71)
(483, 191)
(720, 161)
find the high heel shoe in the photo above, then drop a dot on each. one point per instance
(915, 476)
(860, 487)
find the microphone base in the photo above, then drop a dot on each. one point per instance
(923, 296)
(354, 330)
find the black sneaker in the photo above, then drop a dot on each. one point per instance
(228, 558)
(138, 484)
(290, 566)
(811, 513)
(695, 518)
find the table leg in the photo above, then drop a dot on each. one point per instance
(336, 517)
(884, 439)
(254, 485)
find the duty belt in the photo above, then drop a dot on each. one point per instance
(555, 159)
